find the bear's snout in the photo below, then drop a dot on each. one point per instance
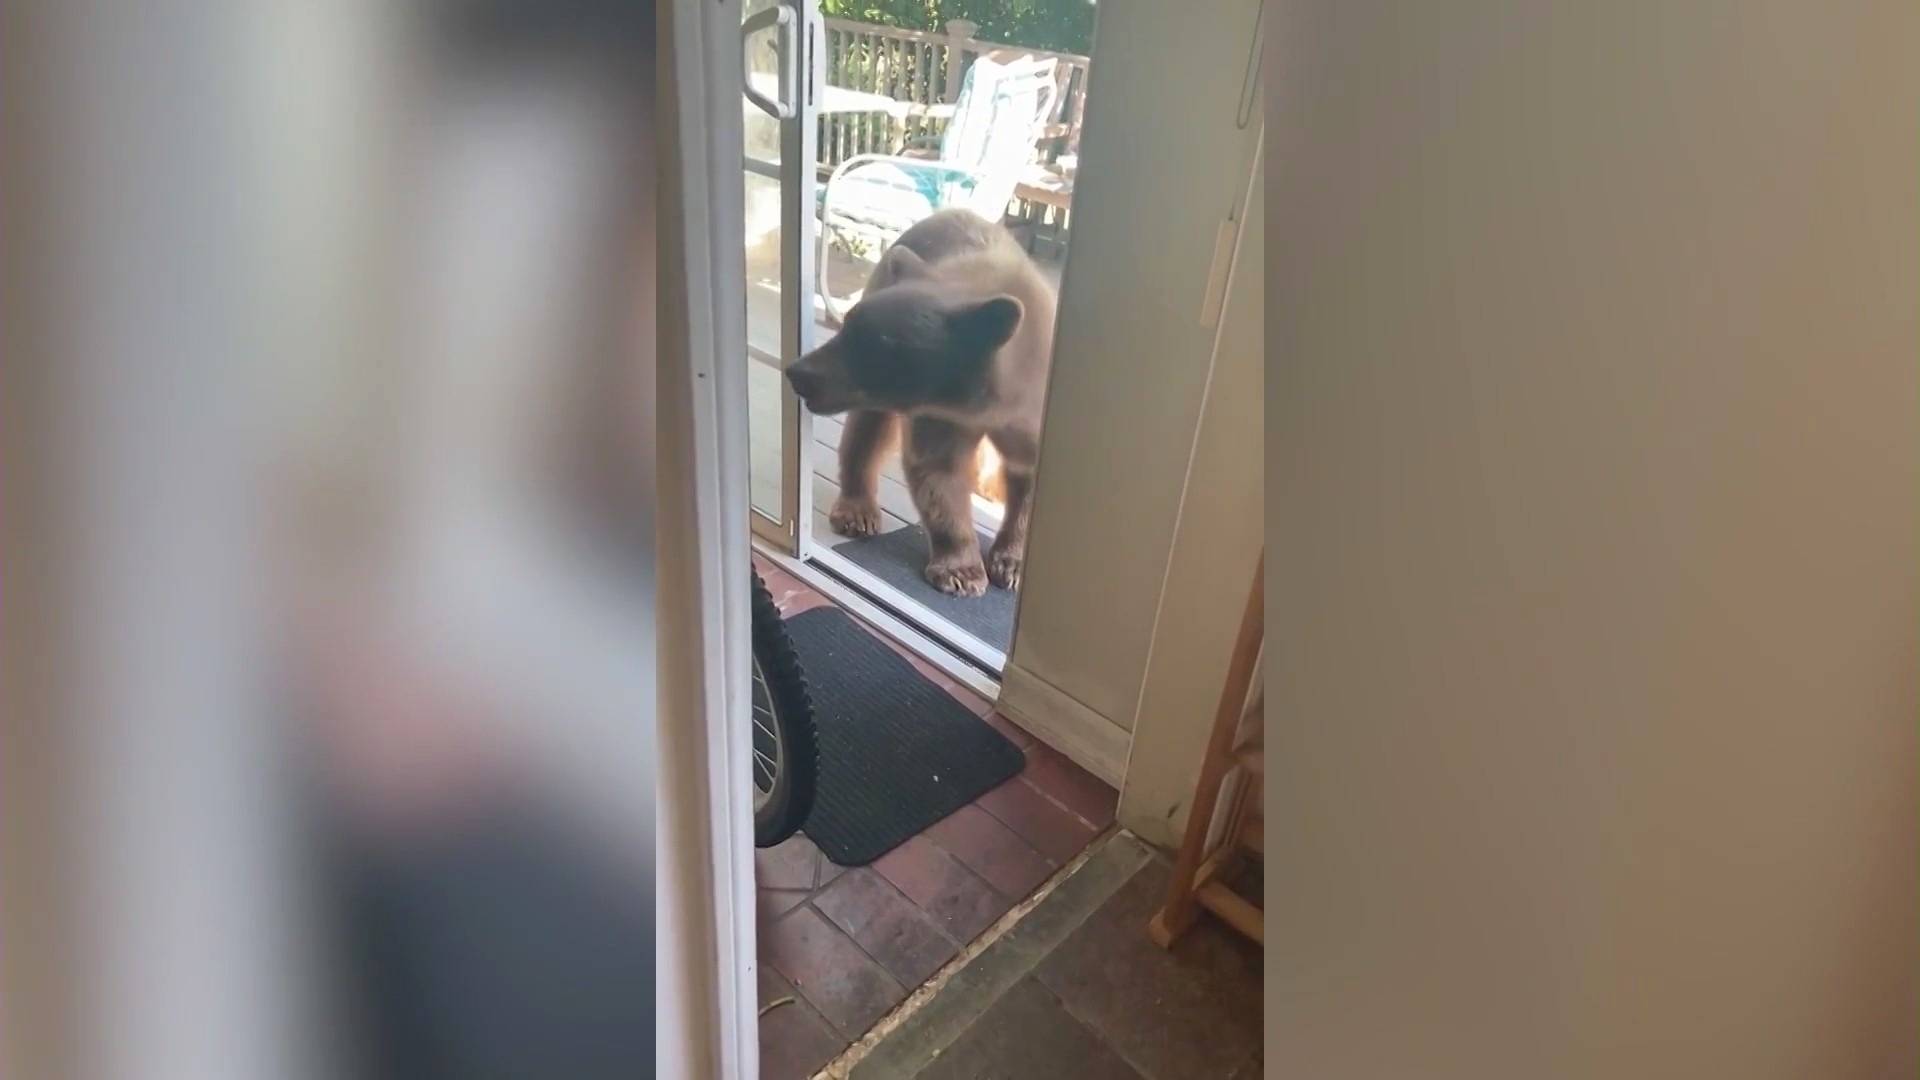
(819, 392)
(819, 378)
(805, 383)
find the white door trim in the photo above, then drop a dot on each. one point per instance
(707, 997)
(1060, 720)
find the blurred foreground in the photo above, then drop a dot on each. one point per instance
(330, 659)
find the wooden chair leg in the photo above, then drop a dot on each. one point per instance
(1182, 908)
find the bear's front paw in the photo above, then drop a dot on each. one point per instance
(1003, 568)
(854, 517)
(958, 577)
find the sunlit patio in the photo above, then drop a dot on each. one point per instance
(892, 93)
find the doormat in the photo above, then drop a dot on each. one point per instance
(897, 753)
(899, 558)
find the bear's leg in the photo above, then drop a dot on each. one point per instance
(940, 460)
(1009, 550)
(868, 434)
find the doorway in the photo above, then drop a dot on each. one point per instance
(843, 942)
(853, 916)
(828, 103)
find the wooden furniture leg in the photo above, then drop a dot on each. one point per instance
(1183, 903)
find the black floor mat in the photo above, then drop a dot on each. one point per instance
(897, 753)
(899, 558)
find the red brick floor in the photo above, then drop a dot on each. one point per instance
(848, 944)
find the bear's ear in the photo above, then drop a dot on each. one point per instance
(987, 325)
(900, 263)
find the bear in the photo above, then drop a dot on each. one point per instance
(946, 353)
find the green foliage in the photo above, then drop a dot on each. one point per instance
(1055, 25)
(852, 245)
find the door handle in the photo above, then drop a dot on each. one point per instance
(781, 106)
(816, 56)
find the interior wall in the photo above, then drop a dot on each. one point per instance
(1216, 544)
(1592, 591)
(41, 1018)
(180, 943)
(1162, 164)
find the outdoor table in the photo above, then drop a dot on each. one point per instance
(839, 99)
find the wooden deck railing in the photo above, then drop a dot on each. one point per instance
(926, 68)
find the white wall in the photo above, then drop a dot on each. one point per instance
(1591, 610)
(1163, 161)
(176, 936)
(1216, 544)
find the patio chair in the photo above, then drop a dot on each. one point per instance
(990, 141)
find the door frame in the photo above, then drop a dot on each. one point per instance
(708, 1014)
(801, 44)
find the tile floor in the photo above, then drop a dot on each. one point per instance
(1106, 1003)
(850, 943)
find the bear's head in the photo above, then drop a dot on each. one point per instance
(909, 345)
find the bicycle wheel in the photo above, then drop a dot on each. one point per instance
(786, 747)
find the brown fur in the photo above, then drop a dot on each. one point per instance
(950, 346)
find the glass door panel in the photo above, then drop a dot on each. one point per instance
(782, 69)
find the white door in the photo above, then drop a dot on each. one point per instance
(783, 43)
